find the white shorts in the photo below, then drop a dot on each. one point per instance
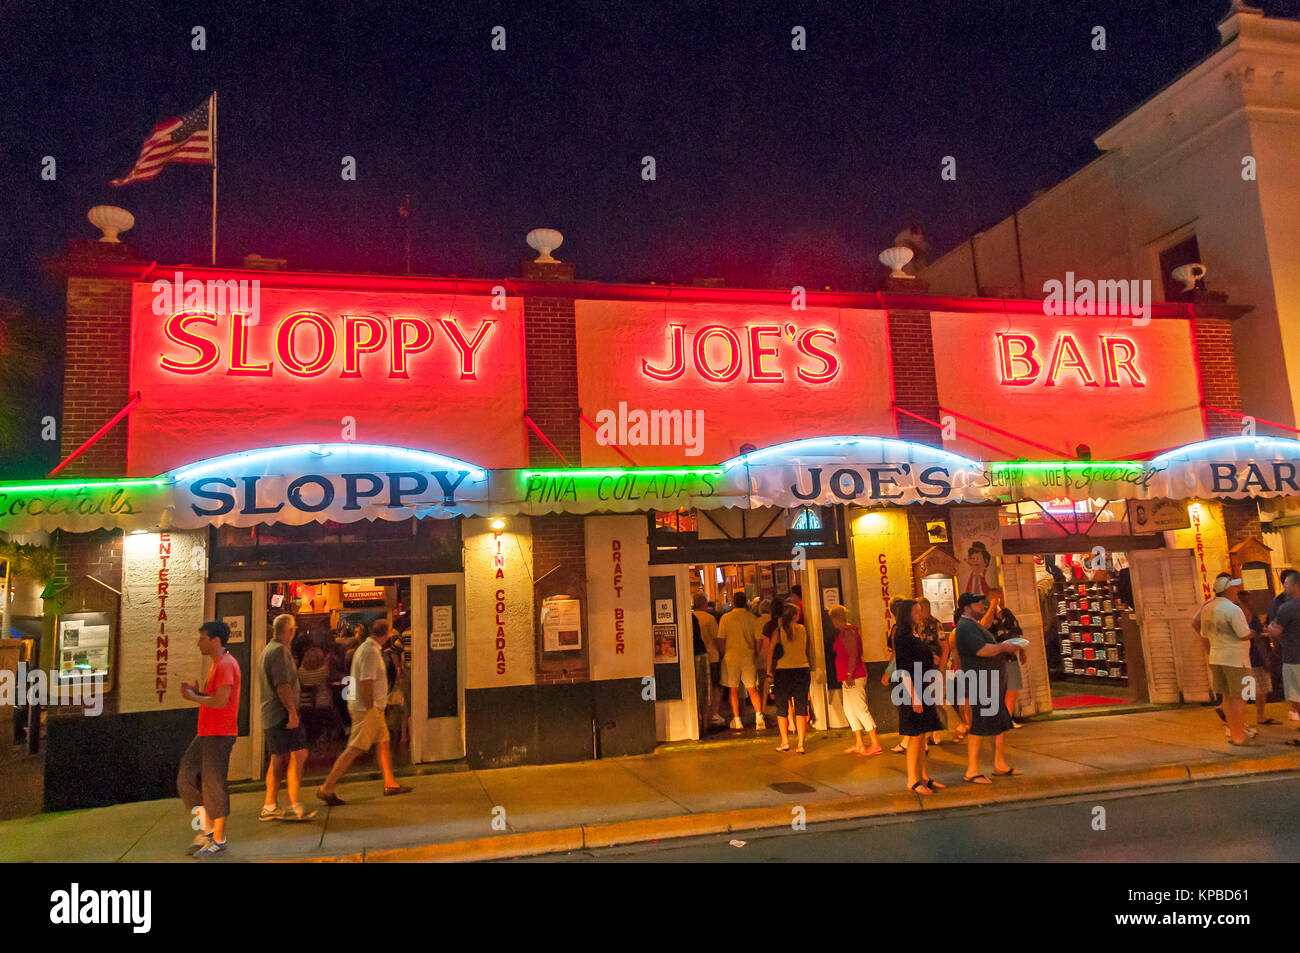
(736, 671)
(855, 706)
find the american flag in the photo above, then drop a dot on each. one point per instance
(184, 139)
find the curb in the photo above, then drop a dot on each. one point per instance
(619, 833)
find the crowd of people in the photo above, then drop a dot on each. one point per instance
(1240, 647)
(755, 650)
(297, 674)
(761, 649)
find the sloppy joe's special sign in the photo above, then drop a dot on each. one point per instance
(348, 482)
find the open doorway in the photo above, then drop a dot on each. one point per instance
(763, 583)
(333, 617)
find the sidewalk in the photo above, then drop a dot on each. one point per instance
(698, 790)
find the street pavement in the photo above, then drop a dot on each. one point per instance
(1239, 821)
(690, 790)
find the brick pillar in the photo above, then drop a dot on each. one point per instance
(915, 388)
(96, 370)
(1216, 367)
(559, 541)
(1241, 521)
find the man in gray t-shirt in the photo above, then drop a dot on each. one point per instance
(286, 741)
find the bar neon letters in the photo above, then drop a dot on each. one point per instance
(1019, 364)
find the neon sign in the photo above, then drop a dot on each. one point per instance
(308, 344)
(1022, 362)
(719, 354)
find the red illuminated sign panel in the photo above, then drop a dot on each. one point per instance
(438, 372)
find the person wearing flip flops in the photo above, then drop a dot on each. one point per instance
(366, 703)
(286, 739)
(914, 669)
(1225, 634)
(791, 668)
(983, 662)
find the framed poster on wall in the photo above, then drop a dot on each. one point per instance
(86, 647)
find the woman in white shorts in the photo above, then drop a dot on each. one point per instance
(852, 673)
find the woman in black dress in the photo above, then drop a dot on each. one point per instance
(916, 713)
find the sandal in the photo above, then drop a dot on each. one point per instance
(978, 779)
(784, 747)
(937, 785)
(1008, 772)
(799, 750)
(897, 749)
(1294, 742)
(921, 784)
(1268, 721)
(959, 735)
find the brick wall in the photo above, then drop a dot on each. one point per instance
(551, 365)
(95, 376)
(560, 565)
(1241, 521)
(915, 388)
(1217, 366)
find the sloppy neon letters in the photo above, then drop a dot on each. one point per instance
(309, 344)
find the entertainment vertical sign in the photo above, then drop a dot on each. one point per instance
(163, 588)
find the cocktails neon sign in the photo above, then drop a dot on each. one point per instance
(309, 344)
(1019, 364)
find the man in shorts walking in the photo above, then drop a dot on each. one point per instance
(286, 741)
(738, 632)
(1225, 634)
(367, 698)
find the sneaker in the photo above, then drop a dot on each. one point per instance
(717, 721)
(759, 723)
(299, 812)
(198, 844)
(1292, 715)
(1017, 724)
(737, 724)
(271, 813)
(211, 848)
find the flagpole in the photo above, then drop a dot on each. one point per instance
(214, 177)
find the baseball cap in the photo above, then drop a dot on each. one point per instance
(969, 598)
(1224, 582)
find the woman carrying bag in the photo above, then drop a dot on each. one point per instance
(791, 672)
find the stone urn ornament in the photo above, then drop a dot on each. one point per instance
(895, 258)
(1189, 274)
(544, 241)
(111, 220)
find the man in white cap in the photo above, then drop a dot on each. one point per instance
(1225, 633)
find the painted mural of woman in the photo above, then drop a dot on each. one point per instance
(978, 558)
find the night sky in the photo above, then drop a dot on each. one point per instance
(774, 167)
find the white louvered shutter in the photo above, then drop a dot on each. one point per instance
(1022, 599)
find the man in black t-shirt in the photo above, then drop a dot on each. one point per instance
(983, 662)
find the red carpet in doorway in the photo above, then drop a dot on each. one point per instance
(1083, 701)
